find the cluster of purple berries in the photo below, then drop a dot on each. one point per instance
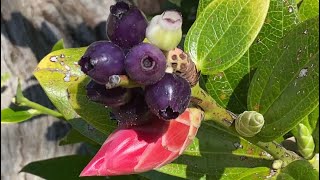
(161, 94)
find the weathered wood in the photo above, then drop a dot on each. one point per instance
(29, 28)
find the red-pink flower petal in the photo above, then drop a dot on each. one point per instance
(146, 147)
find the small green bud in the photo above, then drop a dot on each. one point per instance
(305, 141)
(277, 164)
(164, 31)
(249, 123)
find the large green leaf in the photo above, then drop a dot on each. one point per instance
(230, 87)
(215, 154)
(55, 73)
(309, 9)
(73, 137)
(9, 115)
(285, 88)
(223, 33)
(66, 168)
(202, 5)
(298, 170)
(94, 113)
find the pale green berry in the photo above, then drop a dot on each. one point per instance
(164, 31)
(249, 123)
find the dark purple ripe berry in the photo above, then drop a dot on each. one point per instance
(126, 25)
(169, 97)
(135, 112)
(101, 60)
(145, 64)
(109, 97)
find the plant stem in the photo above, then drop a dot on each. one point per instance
(26, 102)
(218, 114)
(21, 100)
(212, 110)
(279, 152)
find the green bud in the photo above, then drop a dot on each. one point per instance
(305, 141)
(249, 123)
(277, 164)
(164, 31)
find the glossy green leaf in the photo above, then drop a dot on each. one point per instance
(309, 9)
(315, 135)
(215, 154)
(230, 87)
(9, 115)
(55, 73)
(73, 137)
(59, 45)
(202, 5)
(223, 33)
(96, 114)
(298, 170)
(67, 168)
(285, 88)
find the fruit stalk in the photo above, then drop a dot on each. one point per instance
(212, 110)
(216, 113)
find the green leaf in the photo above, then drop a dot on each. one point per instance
(66, 167)
(285, 88)
(309, 9)
(59, 45)
(202, 5)
(298, 170)
(9, 115)
(215, 154)
(4, 78)
(230, 87)
(223, 33)
(96, 114)
(55, 73)
(315, 135)
(73, 137)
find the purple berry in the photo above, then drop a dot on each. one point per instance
(109, 97)
(135, 112)
(169, 97)
(126, 25)
(101, 60)
(145, 64)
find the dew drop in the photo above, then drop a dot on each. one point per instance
(305, 32)
(290, 9)
(303, 72)
(54, 58)
(62, 55)
(237, 145)
(67, 77)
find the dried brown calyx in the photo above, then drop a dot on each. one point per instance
(180, 63)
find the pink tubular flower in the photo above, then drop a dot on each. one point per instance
(146, 147)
